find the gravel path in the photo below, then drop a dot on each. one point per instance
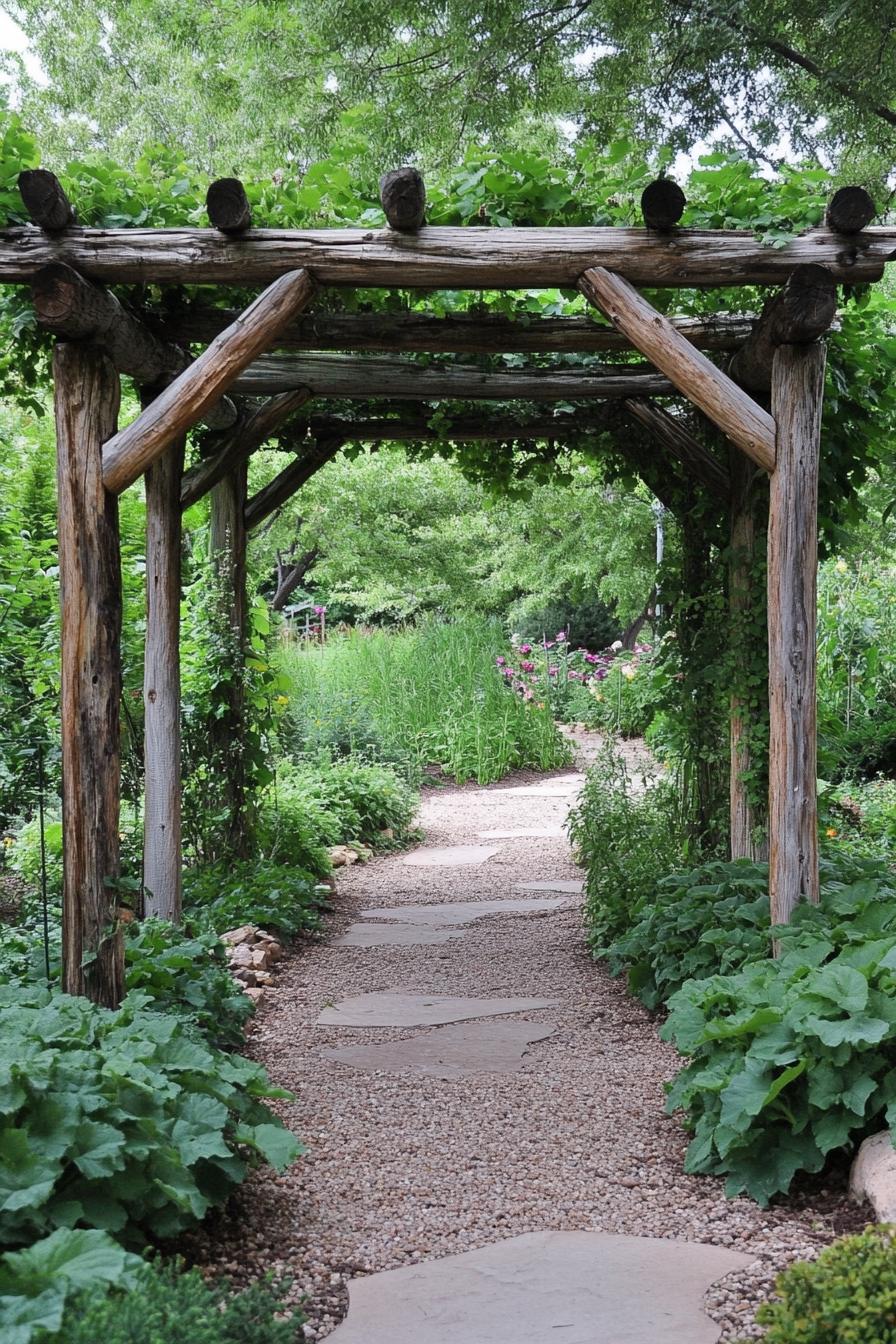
(407, 1168)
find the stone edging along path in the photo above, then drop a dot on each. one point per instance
(429, 1142)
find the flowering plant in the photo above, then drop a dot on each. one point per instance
(571, 680)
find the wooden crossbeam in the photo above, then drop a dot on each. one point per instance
(464, 429)
(437, 257)
(289, 480)
(43, 196)
(458, 333)
(671, 434)
(727, 405)
(402, 380)
(127, 455)
(75, 310)
(239, 444)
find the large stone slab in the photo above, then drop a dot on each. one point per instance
(450, 1052)
(526, 833)
(575, 1287)
(873, 1176)
(395, 935)
(393, 1008)
(451, 856)
(463, 912)
(553, 884)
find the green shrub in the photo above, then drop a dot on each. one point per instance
(163, 1306)
(789, 1060)
(278, 897)
(37, 1283)
(187, 977)
(712, 919)
(25, 855)
(626, 842)
(122, 1121)
(846, 1296)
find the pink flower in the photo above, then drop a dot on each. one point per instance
(501, 662)
(561, 637)
(527, 667)
(552, 671)
(525, 648)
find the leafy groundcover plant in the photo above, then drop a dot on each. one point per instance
(846, 1296)
(58, 1292)
(122, 1120)
(276, 896)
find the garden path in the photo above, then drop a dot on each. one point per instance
(534, 1123)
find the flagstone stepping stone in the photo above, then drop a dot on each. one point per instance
(526, 832)
(463, 912)
(579, 1287)
(393, 1008)
(452, 856)
(450, 1052)
(395, 935)
(554, 884)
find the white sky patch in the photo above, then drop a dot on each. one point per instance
(12, 39)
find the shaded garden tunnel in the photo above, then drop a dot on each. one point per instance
(702, 439)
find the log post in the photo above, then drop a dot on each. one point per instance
(87, 398)
(227, 540)
(162, 858)
(797, 393)
(745, 842)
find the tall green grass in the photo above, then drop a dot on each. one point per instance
(429, 692)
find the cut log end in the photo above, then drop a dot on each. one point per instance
(403, 198)
(228, 206)
(45, 200)
(662, 204)
(849, 210)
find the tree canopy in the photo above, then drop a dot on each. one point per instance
(265, 85)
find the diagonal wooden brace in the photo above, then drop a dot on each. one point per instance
(128, 453)
(707, 387)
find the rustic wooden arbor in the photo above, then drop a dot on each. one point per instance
(779, 354)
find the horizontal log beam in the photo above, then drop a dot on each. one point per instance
(290, 479)
(798, 314)
(707, 387)
(75, 310)
(438, 257)
(463, 429)
(459, 333)
(698, 461)
(361, 376)
(239, 444)
(127, 455)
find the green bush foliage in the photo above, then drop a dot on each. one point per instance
(625, 841)
(164, 1306)
(124, 1121)
(37, 1283)
(277, 897)
(846, 1296)
(187, 977)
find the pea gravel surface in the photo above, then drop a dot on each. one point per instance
(405, 1168)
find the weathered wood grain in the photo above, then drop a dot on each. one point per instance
(240, 443)
(745, 844)
(850, 210)
(437, 257)
(458, 333)
(797, 394)
(43, 196)
(227, 732)
(74, 309)
(87, 398)
(798, 314)
(128, 454)
(727, 405)
(162, 859)
(403, 198)
(402, 380)
(227, 205)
